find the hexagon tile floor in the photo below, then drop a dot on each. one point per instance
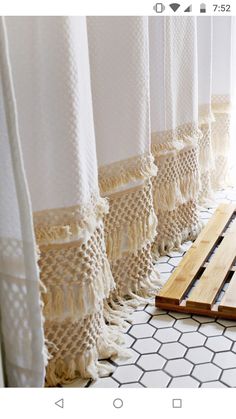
(173, 349)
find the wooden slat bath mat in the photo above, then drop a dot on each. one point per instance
(205, 280)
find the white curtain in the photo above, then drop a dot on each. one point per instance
(222, 65)
(206, 117)
(21, 318)
(49, 59)
(175, 133)
(123, 123)
(119, 62)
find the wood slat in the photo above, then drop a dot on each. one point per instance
(228, 302)
(183, 276)
(213, 278)
(214, 312)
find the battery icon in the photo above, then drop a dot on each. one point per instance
(159, 7)
(202, 8)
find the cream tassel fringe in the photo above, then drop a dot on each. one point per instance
(87, 364)
(206, 165)
(131, 237)
(120, 173)
(206, 160)
(43, 289)
(76, 300)
(118, 309)
(52, 234)
(165, 245)
(206, 197)
(221, 144)
(221, 147)
(205, 114)
(220, 107)
(117, 312)
(86, 222)
(170, 195)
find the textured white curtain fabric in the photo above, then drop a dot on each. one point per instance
(21, 316)
(113, 130)
(174, 123)
(215, 95)
(204, 57)
(49, 59)
(223, 67)
(206, 117)
(120, 86)
(119, 61)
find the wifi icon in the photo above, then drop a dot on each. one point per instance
(174, 6)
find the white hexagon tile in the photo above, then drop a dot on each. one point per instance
(173, 349)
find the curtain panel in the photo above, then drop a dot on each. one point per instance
(175, 132)
(119, 60)
(221, 100)
(113, 131)
(22, 336)
(205, 112)
(58, 145)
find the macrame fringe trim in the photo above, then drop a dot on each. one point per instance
(131, 237)
(88, 364)
(163, 246)
(221, 149)
(173, 147)
(221, 107)
(206, 196)
(167, 196)
(124, 172)
(205, 114)
(118, 309)
(206, 118)
(72, 230)
(42, 289)
(206, 161)
(170, 195)
(180, 135)
(221, 144)
(77, 300)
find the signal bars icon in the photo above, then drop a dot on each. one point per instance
(188, 9)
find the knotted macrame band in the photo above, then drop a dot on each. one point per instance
(176, 226)
(206, 164)
(177, 185)
(130, 229)
(131, 222)
(61, 225)
(221, 108)
(177, 160)
(76, 275)
(78, 346)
